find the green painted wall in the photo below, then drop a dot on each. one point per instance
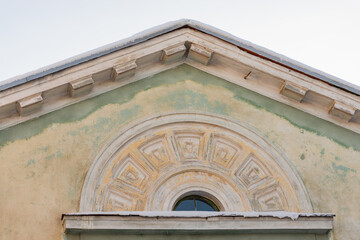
(45, 160)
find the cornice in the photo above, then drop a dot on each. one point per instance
(184, 46)
(170, 27)
(197, 222)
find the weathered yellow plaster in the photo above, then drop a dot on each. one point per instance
(42, 176)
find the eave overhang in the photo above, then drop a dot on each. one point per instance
(197, 222)
(169, 27)
(183, 42)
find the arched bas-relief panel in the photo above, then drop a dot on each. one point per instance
(152, 164)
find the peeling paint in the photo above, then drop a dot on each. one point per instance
(341, 170)
(38, 154)
(81, 110)
(322, 151)
(58, 154)
(30, 162)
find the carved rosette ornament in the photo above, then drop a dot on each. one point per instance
(152, 164)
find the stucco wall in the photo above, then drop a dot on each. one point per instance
(115, 236)
(44, 161)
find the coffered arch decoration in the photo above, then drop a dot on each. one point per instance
(152, 164)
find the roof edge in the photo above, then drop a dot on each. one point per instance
(171, 26)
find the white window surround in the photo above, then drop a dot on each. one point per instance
(197, 222)
(159, 183)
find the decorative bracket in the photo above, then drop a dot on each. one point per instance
(81, 87)
(200, 54)
(29, 104)
(124, 70)
(173, 54)
(293, 91)
(342, 110)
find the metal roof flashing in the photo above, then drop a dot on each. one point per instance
(175, 25)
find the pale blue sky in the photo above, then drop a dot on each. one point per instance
(322, 34)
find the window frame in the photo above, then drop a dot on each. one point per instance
(196, 197)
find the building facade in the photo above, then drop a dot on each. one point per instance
(106, 145)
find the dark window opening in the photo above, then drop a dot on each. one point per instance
(195, 203)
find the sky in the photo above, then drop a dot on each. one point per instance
(322, 34)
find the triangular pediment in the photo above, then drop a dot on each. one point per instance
(158, 50)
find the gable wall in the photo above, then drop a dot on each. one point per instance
(45, 160)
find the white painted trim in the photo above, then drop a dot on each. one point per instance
(227, 62)
(167, 28)
(197, 222)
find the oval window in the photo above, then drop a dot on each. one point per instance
(195, 203)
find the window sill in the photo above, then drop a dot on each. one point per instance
(197, 222)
